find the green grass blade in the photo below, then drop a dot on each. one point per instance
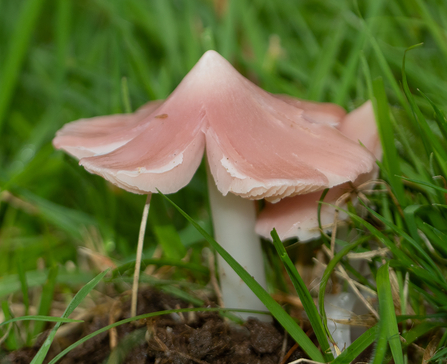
(305, 297)
(431, 142)
(326, 61)
(428, 262)
(439, 116)
(388, 73)
(402, 259)
(437, 238)
(382, 343)
(25, 27)
(420, 330)
(227, 41)
(77, 299)
(390, 156)
(39, 318)
(410, 219)
(358, 346)
(275, 309)
(22, 278)
(46, 298)
(418, 181)
(160, 262)
(441, 354)
(437, 31)
(388, 314)
(11, 341)
(180, 293)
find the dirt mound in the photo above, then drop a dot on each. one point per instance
(193, 337)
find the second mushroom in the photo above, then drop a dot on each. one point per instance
(258, 146)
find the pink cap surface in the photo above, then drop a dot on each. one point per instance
(258, 145)
(298, 216)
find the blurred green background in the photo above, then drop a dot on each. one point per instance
(61, 60)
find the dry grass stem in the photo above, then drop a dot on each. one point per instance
(303, 360)
(351, 283)
(358, 284)
(115, 312)
(430, 350)
(136, 276)
(381, 252)
(283, 348)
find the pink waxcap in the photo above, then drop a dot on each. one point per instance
(258, 145)
(317, 112)
(102, 134)
(298, 216)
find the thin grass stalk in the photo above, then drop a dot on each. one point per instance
(136, 275)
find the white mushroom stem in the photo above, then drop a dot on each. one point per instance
(136, 275)
(345, 307)
(234, 221)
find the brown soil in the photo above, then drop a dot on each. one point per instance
(189, 338)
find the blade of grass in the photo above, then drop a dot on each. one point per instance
(437, 238)
(389, 74)
(382, 343)
(410, 219)
(437, 32)
(227, 41)
(420, 330)
(390, 156)
(11, 284)
(418, 181)
(441, 354)
(357, 52)
(430, 141)
(275, 309)
(46, 298)
(11, 340)
(39, 318)
(358, 346)
(170, 35)
(305, 297)
(159, 262)
(388, 314)
(325, 62)
(428, 263)
(77, 299)
(440, 118)
(25, 28)
(402, 259)
(180, 293)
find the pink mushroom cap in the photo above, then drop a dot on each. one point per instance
(258, 145)
(298, 216)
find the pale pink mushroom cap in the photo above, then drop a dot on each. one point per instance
(298, 216)
(258, 145)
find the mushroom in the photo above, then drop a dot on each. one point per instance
(298, 216)
(257, 145)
